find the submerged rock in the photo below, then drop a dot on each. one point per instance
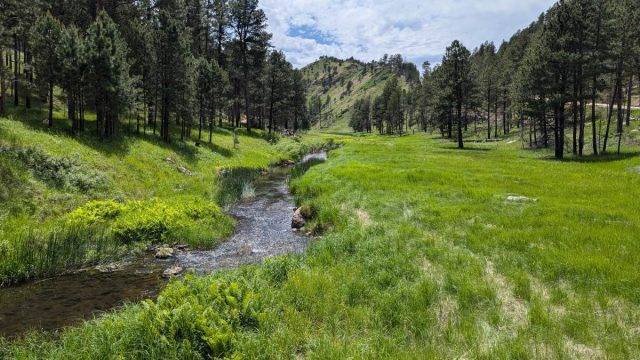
(164, 252)
(298, 221)
(112, 267)
(172, 271)
(182, 247)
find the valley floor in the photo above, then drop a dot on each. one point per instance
(427, 252)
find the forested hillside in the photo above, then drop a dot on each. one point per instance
(334, 86)
(567, 82)
(192, 63)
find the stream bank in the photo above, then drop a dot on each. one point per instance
(263, 230)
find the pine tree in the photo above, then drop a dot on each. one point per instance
(46, 39)
(249, 24)
(173, 59)
(108, 73)
(70, 52)
(278, 88)
(456, 63)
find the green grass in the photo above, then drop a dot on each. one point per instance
(422, 257)
(70, 201)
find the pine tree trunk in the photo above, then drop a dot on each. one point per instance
(2, 83)
(81, 103)
(575, 115)
(28, 74)
(211, 125)
(495, 110)
(489, 115)
(201, 119)
(594, 138)
(50, 103)
(610, 113)
(459, 114)
(543, 123)
(559, 150)
(620, 116)
(629, 91)
(16, 72)
(71, 109)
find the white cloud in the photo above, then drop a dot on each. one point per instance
(367, 29)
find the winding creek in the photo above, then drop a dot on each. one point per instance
(263, 229)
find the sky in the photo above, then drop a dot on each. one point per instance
(367, 29)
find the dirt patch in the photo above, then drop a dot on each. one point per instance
(581, 351)
(447, 309)
(514, 309)
(363, 217)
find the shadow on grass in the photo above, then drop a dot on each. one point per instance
(214, 147)
(301, 168)
(609, 157)
(35, 118)
(466, 148)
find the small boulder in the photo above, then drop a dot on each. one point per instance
(181, 247)
(164, 252)
(172, 271)
(298, 221)
(520, 199)
(184, 170)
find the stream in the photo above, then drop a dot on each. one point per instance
(263, 229)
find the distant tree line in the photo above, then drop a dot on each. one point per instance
(171, 65)
(547, 80)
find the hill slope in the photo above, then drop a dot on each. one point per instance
(338, 84)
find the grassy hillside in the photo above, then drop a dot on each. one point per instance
(68, 201)
(329, 78)
(429, 252)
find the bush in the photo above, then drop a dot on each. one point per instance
(95, 211)
(16, 191)
(272, 138)
(60, 172)
(192, 220)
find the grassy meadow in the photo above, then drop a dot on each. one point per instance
(427, 252)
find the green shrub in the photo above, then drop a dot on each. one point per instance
(272, 138)
(61, 172)
(95, 211)
(16, 191)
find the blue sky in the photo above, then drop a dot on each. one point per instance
(367, 29)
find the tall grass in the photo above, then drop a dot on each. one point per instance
(36, 253)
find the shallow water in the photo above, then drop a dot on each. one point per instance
(68, 299)
(263, 229)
